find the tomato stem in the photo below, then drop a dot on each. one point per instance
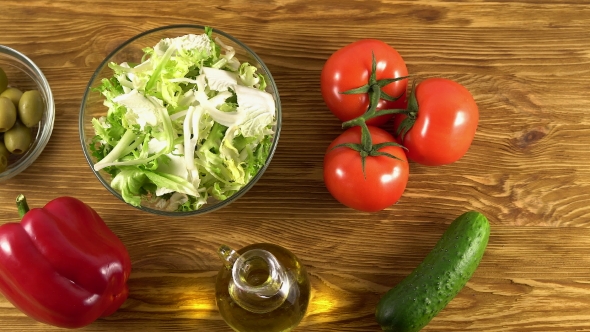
(366, 139)
(375, 94)
(373, 89)
(368, 115)
(411, 113)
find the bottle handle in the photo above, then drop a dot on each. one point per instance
(228, 256)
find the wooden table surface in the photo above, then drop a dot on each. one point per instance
(527, 64)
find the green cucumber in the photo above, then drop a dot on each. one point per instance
(412, 304)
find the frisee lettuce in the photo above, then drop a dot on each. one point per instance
(187, 123)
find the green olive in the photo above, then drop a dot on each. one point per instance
(7, 114)
(18, 138)
(30, 108)
(3, 80)
(13, 94)
(3, 163)
(3, 150)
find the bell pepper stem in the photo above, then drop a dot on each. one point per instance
(21, 205)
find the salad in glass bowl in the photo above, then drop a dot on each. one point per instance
(180, 120)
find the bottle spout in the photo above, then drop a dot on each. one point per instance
(228, 256)
(259, 283)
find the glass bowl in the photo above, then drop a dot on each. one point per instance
(23, 74)
(132, 51)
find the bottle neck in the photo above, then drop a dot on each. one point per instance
(259, 282)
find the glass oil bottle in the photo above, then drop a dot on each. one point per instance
(261, 288)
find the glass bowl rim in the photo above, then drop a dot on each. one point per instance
(207, 207)
(46, 130)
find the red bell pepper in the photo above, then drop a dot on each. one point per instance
(62, 265)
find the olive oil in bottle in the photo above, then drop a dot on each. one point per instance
(261, 288)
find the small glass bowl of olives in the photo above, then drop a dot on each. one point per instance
(27, 112)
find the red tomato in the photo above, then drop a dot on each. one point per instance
(385, 179)
(350, 68)
(445, 123)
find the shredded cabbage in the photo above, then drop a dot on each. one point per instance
(188, 123)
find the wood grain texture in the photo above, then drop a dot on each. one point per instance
(527, 63)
